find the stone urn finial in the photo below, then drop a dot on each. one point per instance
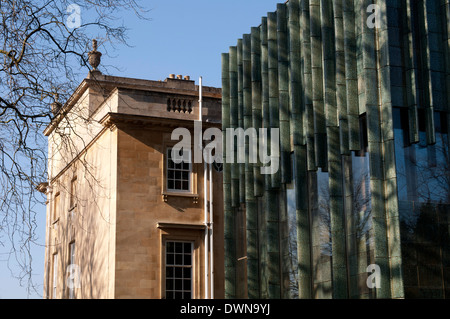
(56, 105)
(94, 56)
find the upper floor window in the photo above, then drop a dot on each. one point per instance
(56, 207)
(55, 276)
(178, 174)
(73, 192)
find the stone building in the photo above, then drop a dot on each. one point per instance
(123, 219)
(360, 207)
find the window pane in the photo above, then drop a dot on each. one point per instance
(185, 176)
(186, 272)
(170, 259)
(177, 175)
(177, 185)
(179, 259)
(178, 272)
(170, 247)
(187, 248)
(170, 295)
(179, 248)
(178, 285)
(171, 184)
(169, 284)
(187, 260)
(187, 285)
(169, 272)
(187, 295)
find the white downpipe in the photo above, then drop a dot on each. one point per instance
(211, 255)
(205, 193)
(49, 212)
(200, 100)
(205, 208)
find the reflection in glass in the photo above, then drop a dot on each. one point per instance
(292, 229)
(358, 216)
(422, 170)
(321, 234)
(423, 179)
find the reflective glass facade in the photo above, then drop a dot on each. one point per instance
(424, 206)
(359, 207)
(358, 215)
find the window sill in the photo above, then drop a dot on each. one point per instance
(162, 225)
(166, 196)
(55, 223)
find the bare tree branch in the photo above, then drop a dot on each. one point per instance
(42, 59)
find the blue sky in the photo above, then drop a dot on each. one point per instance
(187, 37)
(181, 37)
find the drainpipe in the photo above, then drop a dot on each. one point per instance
(205, 194)
(49, 211)
(211, 255)
(205, 208)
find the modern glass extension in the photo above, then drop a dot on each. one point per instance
(360, 205)
(423, 176)
(423, 179)
(358, 222)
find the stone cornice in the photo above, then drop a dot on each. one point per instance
(109, 83)
(152, 122)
